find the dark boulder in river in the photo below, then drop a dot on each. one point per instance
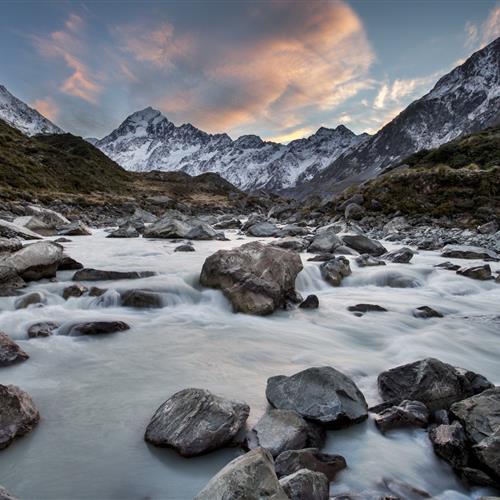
(18, 414)
(430, 381)
(363, 244)
(405, 414)
(256, 278)
(141, 299)
(10, 352)
(335, 270)
(98, 328)
(323, 395)
(249, 477)
(88, 274)
(195, 421)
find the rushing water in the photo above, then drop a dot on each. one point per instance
(96, 395)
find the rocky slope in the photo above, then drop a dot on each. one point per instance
(19, 115)
(465, 100)
(147, 141)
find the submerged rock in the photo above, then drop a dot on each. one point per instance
(18, 414)
(449, 266)
(76, 290)
(184, 248)
(88, 274)
(256, 278)
(282, 430)
(323, 395)
(33, 298)
(335, 270)
(366, 260)
(195, 421)
(10, 352)
(476, 272)
(406, 414)
(42, 329)
(426, 312)
(98, 328)
(311, 302)
(363, 308)
(364, 245)
(141, 299)
(249, 477)
(306, 484)
(430, 381)
(312, 459)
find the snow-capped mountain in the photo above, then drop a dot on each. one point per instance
(19, 115)
(465, 100)
(147, 140)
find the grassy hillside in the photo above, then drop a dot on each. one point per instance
(460, 178)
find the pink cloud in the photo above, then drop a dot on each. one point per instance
(47, 107)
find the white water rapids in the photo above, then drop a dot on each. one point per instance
(96, 395)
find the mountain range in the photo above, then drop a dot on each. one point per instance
(465, 100)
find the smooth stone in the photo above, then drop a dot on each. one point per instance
(426, 312)
(10, 352)
(42, 329)
(476, 272)
(69, 264)
(88, 274)
(335, 270)
(30, 299)
(313, 459)
(468, 252)
(76, 290)
(406, 414)
(195, 421)
(311, 302)
(18, 414)
(248, 477)
(436, 384)
(184, 248)
(400, 256)
(323, 395)
(97, 328)
(363, 308)
(306, 484)
(10, 230)
(325, 242)
(363, 244)
(141, 299)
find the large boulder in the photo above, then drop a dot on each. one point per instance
(195, 421)
(468, 252)
(282, 430)
(430, 381)
(262, 230)
(480, 417)
(10, 245)
(256, 278)
(323, 395)
(36, 261)
(97, 328)
(50, 218)
(249, 477)
(10, 230)
(405, 414)
(89, 274)
(400, 256)
(10, 352)
(76, 228)
(476, 272)
(126, 231)
(325, 241)
(18, 414)
(10, 281)
(313, 459)
(30, 299)
(335, 270)
(449, 443)
(142, 299)
(176, 225)
(363, 244)
(306, 484)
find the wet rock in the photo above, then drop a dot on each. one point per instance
(10, 352)
(476, 272)
(36, 261)
(262, 230)
(476, 476)
(250, 477)
(76, 290)
(322, 257)
(400, 256)
(480, 417)
(404, 490)
(10, 281)
(18, 414)
(323, 395)
(184, 248)
(449, 266)
(406, 414)
(468, 252)
(366, 260)
(195, 421)
(96, 291)
(363, 244)
(35, 224)
(325, 241)
(230, 223)
(311, 302)
(42, 329)
(436, 384)
(256, 278)
(10, 245)
(97, 328)
(335, 270)
(76, 228)
(33, 298)
(450, 444)
(5, 495)
(292, 461)
(441, 417)
(363, 308)
(62, 240)
(50, 218)
(488, 228)
(306, 485)
(295, 244)
(141, 299)
(69, 264)
(10, 230)
(127, 231)
(89, 274)
(292, 230)
(282, 430)
(426, 312)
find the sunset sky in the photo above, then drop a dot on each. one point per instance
(280, 69)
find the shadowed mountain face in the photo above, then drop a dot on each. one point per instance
(465, 100)
(147, 141)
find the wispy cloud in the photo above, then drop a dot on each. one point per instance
(480, 35)
(47, 107)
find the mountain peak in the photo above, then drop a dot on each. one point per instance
(145, 115)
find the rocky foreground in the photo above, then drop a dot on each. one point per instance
(460, 409)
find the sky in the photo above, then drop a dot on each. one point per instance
(276, 68)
